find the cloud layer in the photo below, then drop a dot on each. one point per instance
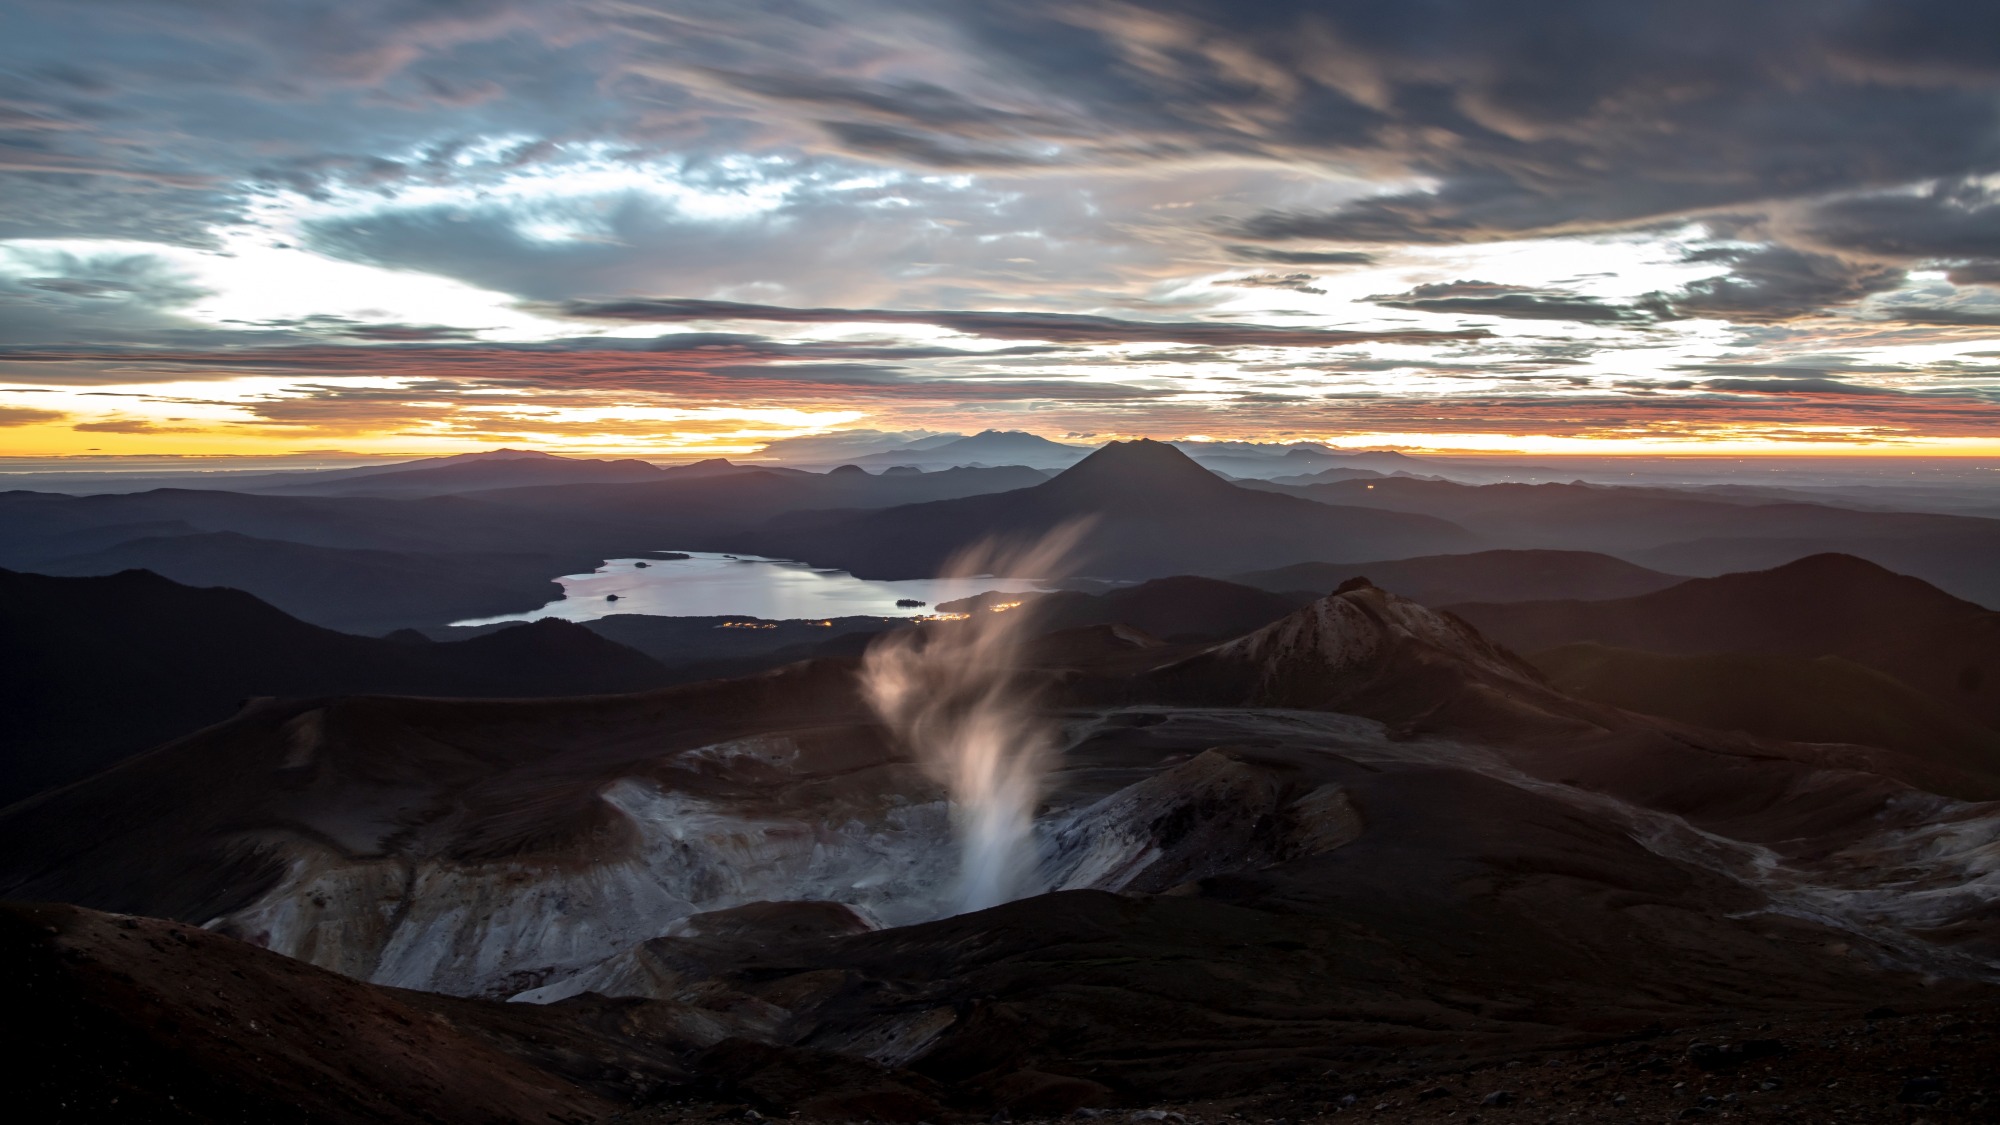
(691, 224)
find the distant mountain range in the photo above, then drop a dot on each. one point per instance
(425, 543)
(1497, 576)
(1686, 532)
(470, 472)
(1015, 447)
(1152, 512)
(352, 589)
(375, 563)
(986, 448)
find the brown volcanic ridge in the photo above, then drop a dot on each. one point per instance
(1823, 606)
(1361, 856)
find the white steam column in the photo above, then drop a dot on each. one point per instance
(955, 694)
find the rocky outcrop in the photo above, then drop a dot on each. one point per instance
(1209, 815)
(1365, 651)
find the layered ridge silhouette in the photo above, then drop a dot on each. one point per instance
(1154, 513)
(99, 668)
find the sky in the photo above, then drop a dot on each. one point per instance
(680, 228)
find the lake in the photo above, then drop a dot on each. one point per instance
(712, 585)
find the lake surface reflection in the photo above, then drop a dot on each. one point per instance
(710, 585)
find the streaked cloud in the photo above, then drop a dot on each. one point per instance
(453, 220)
(1069, 328)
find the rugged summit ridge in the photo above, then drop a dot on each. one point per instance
(1365, 651)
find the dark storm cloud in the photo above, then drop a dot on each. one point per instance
(109, 299)
(916, 102)
(1549, 116)
(1302, 257)
(1974, 273)
(1775, 283)
(1808, 367)
(717, 369)
(1579, 115)
(140, 279)
(154, 119)
(1956, 220)
(1296, 282)
(1484, 298)
(1988, 317)
(836, 234)
(1808, 375)
(414, 351)
(1632, 414)
(404, 333)
(931, 150)
(1794, 387)
(1067, 328)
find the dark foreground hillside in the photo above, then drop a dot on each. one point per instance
(1825, 605)
(94, 669)
(134, 1019)
(1803, 699)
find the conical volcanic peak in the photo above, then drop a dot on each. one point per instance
(1133, 470)
(1357, 628)
(1365, 651)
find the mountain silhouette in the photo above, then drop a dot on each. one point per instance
(988, 447)
(1482, 576)
(1824, 605)
(363, 591)
(1134, 470)
(99, 668)
(1151, 511)
(1691, 532)
(499, 468)
(1364, 651)
(1184, 607)
(1801, 699)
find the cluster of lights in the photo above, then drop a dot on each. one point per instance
(746, 625)
(941, 617)
(1001, 607)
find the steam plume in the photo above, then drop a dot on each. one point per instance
(955, 694)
